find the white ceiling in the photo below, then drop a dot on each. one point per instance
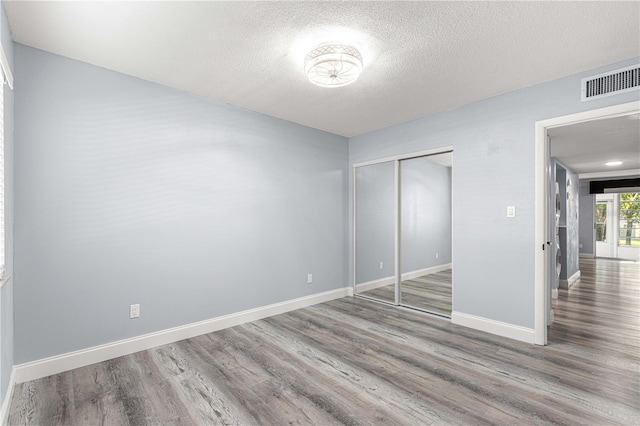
(585, 147)
(419, 57)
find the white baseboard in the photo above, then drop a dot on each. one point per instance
(65, 362)
(587, 255)
(554, 293)
(565, 284)
(504, 329)
(6, 401)
(371, 285)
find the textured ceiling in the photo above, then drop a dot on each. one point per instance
(585, 147)
(419, 57)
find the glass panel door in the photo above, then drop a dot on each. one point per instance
(375, 223)
(605, 241)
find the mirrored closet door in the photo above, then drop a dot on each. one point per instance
(375, 218)
(425, 206)
(402, 220)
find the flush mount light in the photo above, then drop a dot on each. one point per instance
(613, 163)
(333, 65)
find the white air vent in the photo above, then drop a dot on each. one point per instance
(611, 83)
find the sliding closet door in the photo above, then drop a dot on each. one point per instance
(375, 219)
(425, 222)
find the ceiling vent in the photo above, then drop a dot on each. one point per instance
(611, 83)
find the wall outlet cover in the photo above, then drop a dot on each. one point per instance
(134, 311)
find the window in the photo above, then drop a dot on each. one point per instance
(629, 219)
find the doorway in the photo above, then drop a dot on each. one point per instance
(542, 222)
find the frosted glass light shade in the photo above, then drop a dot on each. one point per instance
(333, 65)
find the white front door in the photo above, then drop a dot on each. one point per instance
(605, 241)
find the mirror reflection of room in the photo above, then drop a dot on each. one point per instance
(426, 264)
(418, 190)
(375, 231)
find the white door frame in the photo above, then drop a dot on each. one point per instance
(541, 214)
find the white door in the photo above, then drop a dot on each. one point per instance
(605, 241)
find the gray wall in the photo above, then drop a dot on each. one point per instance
(375, 218)
(493, 143)
(559, 175)
(573, 224)
(569, 219)
(426, 214)
(587, 218)
(130, 192)
(6, 294)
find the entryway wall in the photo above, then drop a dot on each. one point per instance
(568, 229)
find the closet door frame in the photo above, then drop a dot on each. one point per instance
(397, 214)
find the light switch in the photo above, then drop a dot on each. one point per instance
(511, 211)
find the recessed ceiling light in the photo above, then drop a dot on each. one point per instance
(613, 163)
(333, 65)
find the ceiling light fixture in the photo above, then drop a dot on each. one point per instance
(333, 65)
(613, 163)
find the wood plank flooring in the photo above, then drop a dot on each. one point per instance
(352, 361)
(431, 293)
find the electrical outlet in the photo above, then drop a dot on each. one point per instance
(437, 255)
(309, 278)
(134, 311)
(381, 265)
(511, 211)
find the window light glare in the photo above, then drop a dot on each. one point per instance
(613, 163)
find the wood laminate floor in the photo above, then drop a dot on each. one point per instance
(353, 361)
(431, 293)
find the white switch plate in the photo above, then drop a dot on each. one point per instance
(437, 255)
(381, 265)
(309, 278)
(511, 211)
(134, 311)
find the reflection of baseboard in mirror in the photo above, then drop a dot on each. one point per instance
(372, 285)
(429, 292)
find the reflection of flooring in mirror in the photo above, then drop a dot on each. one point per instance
(430, 293)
